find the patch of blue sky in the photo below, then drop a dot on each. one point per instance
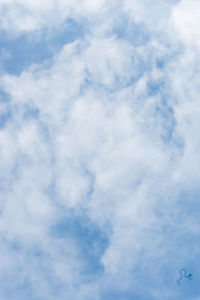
(188, 203)
(17, 286)
(169, 275)
(164, 113)
(18, 283)
(189, 289)
(184, 240)
(135, 33)
(31, 112)
(13, 284)
(155, 86)
(124, 295)
(160, 62)
(4, 97)
(18, 289)
(19, 52)
(92, 179)
(4, 118)
(5, 111)
(91, 241)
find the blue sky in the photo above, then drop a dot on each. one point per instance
(99, 149)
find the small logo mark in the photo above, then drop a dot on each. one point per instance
(184, 274)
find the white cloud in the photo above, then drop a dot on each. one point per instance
(185, 17)
(91, 131)
(115, 137)
(24, 16)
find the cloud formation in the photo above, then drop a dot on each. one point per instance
(99, 150)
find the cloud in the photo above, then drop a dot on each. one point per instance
(186, 21)
(99, 154)
(22, 16)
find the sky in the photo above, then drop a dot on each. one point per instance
(99, 150)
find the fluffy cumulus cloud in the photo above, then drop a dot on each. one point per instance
(99, 149)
